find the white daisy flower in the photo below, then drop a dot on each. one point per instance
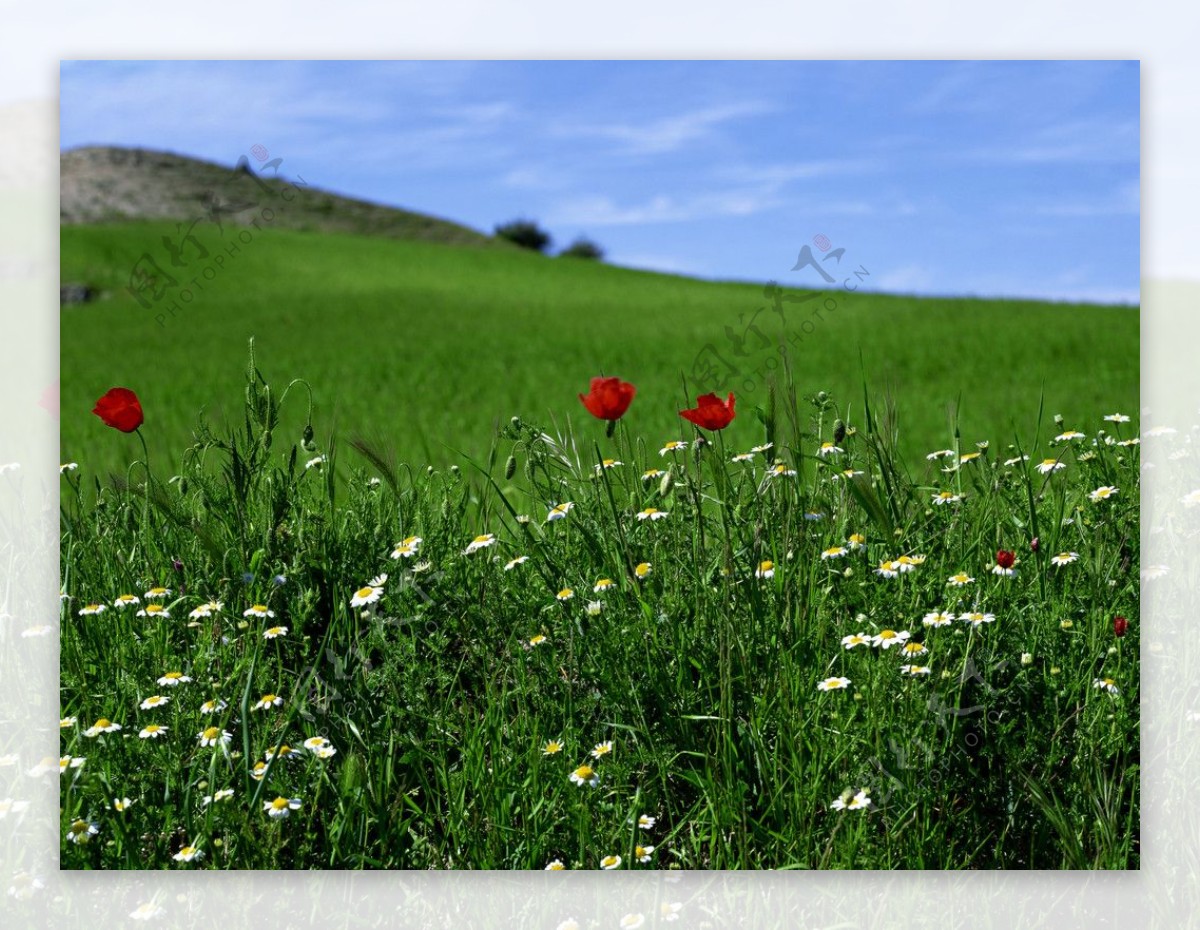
(559, 511)
(480, 542)
(281, 807)
(369, 593)
(885, 639)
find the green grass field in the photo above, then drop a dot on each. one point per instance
(428, 347)
(788, 659)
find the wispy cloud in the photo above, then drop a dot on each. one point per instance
(778, 174)
(909, 278)
(672, 264)
(663, 134)
(542, 177)
(600, 210)
(1125, 200)
(1081, 140)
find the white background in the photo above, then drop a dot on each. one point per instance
(35, 38)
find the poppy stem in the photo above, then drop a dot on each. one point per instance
(146, 489)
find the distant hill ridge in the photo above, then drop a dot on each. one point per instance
(111, 184)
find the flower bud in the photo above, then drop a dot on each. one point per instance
(510, 467)
(1120, 626)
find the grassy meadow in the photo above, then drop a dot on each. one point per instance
(421, 610)
(700, 655)
(427, 348)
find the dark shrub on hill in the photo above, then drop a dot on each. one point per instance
(584, 248)
(524, 233)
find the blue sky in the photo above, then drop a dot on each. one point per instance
(950, 178)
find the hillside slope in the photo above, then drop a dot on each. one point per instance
(430, 346)
(106, 184)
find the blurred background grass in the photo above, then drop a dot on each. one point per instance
(428, 346)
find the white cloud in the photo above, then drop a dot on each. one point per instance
(1124, 200)
(1082, 140)
(775, 176)
(668, 264)
(601, 210)
(906, 279)
(664, 134)
(540, 178)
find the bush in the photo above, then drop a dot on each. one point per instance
(525, 233)
(584, 248)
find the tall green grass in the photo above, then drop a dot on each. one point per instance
(439, 699)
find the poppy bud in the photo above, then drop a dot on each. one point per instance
(664, 486)
(1005, 558)
(510, 467)
(839, 432)
(1120, 625)
(1033, 544)
(306, 441)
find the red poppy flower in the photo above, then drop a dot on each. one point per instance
(1005, 559)
(1034, 544)
(1120, 625)
(120, 409)
(710, 412)
(608, 398)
